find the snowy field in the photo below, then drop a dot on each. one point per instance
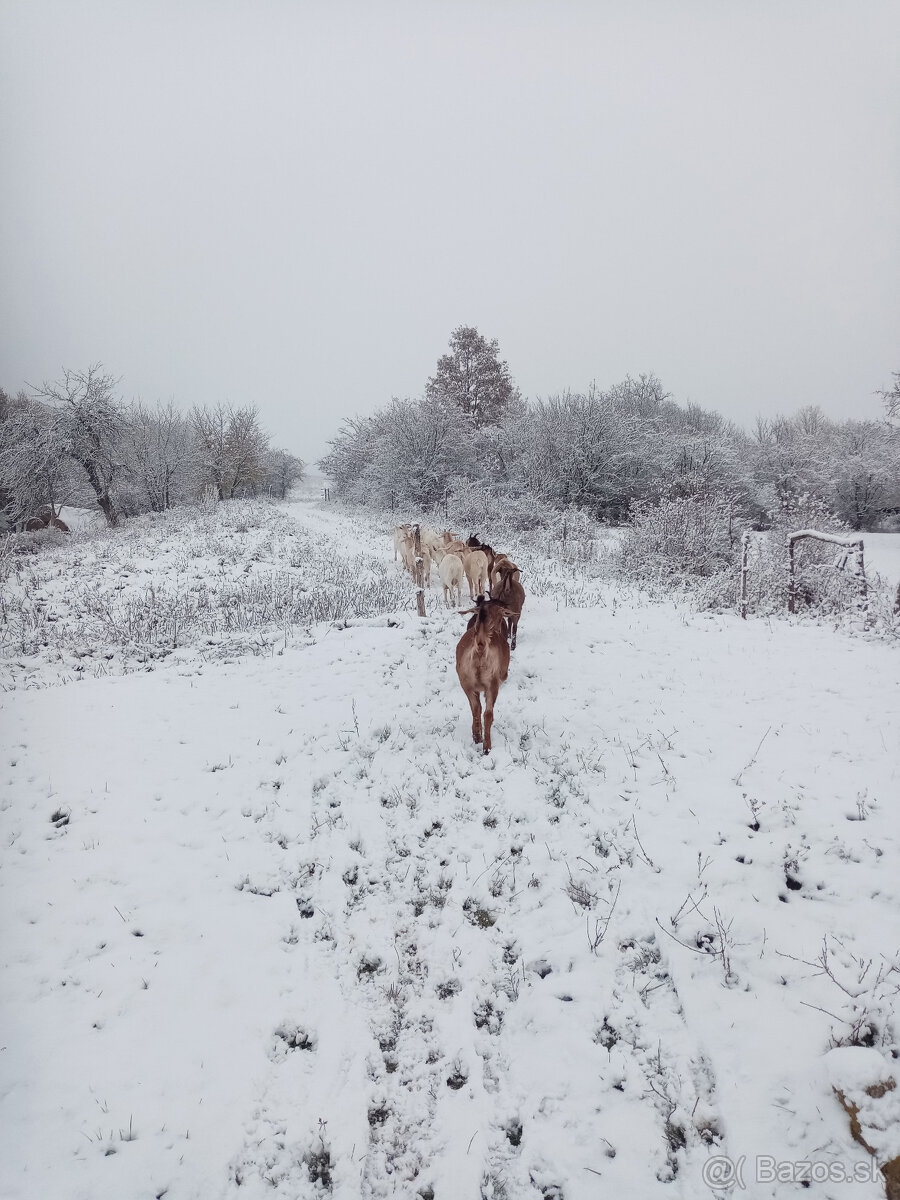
(882, 552)
(272, 927)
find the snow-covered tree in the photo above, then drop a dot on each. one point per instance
(91, 421)
(161, 455)
(283, 470)
(348, 464)
(792, 455)
(891, 398)
(232, 449)
(421, 448)
(35, 466)
(865, 473)
(571, 449)
(473, 378)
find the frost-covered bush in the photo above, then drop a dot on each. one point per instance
(821, 585)
(478, 507)
(689, 543)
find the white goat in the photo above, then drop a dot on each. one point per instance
(476, 567)
(400, 534)
(451, 573)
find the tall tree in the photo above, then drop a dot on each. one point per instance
(232, 448)
(473, 378)
(35, 466)
(92, 419)
(283, 470)
(161, 454)
(891, 398)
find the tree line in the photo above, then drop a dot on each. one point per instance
(606, 450)
(76, 442)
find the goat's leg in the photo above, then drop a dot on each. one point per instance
(513, 631)
(474, 699)
(490, 695)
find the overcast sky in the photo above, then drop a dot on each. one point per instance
(294, 204)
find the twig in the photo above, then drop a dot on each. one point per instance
(756, 751)
(696, 949)
(647, 859)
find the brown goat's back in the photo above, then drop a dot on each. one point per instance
(482, 664)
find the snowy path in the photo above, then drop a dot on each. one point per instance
(290, 935)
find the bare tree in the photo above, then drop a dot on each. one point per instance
(891, 398)
(249, 447)
(232, 448)
(283, 470)
(35, 467)
(92, 420)
(348, 464)
(864, 473)
(211, 430)
(160, 453)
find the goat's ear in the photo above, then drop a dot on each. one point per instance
(466, 612)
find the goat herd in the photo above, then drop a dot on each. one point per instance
(482, 656)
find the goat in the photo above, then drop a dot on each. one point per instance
(502, 562)
(454, 546)
(482, 662)
(44, 519)
(401, 533)
(407, 550)
(405, 543)
(451, 573)
(433, 548)
(476, 567)
(474, 544)
(510, 593)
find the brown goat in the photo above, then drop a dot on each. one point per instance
(33, 524)
(510, 594)
(500, 561)
(482, 662)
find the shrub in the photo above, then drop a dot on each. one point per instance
(690, 543)
(819, 584)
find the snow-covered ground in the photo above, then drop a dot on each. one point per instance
(882, 551)
(273, 927)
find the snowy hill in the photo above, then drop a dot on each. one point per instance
(273, 927)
